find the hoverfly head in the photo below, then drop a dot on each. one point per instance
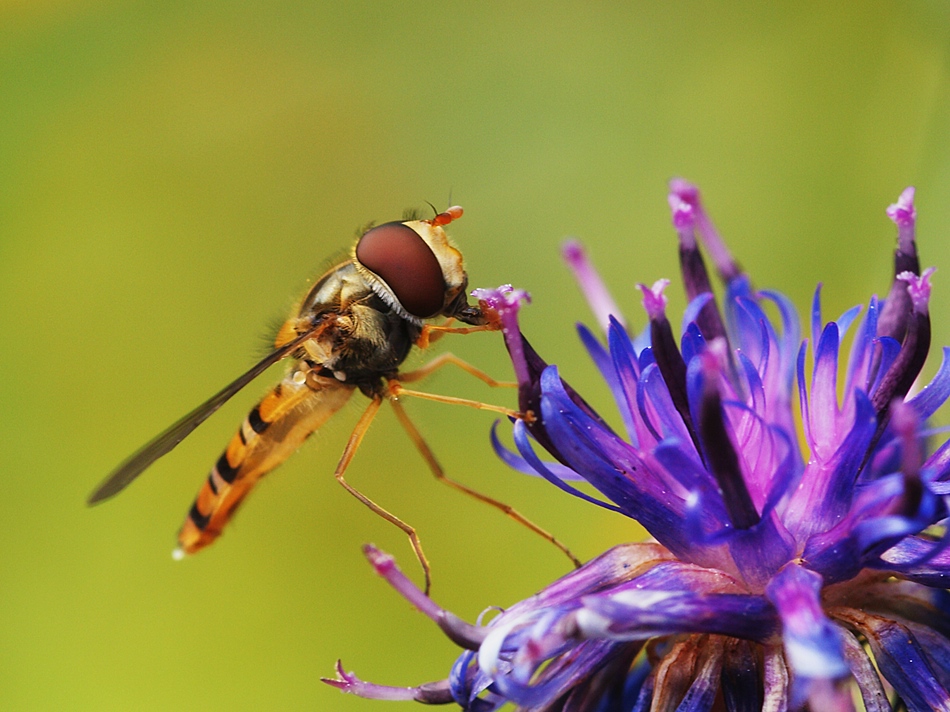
(413, 266)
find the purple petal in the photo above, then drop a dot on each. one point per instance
(824, 397)
(675, 598)
(812, 642)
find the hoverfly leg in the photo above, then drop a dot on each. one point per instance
(440, 475)
(396, 391)
(348, 452)
(448, 358)
(432, 333)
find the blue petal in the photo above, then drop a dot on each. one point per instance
(824, 382)
(548, 470)
(761, 550)
(651, 372)
(559, 677)
(845, 320)
(605, 365)
(938, 465)
(803, 390)
(918, 559)
(889, 349)
(610, 465)
(865, 674)
(868, 529)
(644, 701)
(937, 649)
(754, 383)
(521, 465)
(848, 458)
(692, 343)
(467, 682)
(623, 361)
(691, 314)
(903, 663)
(791, 332)
(694, 478)
(935, 393)
(758, 323)
(861, 349)
(636, 678)
(738, 288)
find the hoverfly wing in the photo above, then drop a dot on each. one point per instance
(165, 442)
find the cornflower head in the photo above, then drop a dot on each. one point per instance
(788, 568)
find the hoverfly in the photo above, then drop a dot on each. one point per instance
(352, 331)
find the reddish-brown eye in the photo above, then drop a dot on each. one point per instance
(404, 261)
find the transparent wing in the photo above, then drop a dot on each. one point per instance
(164, 442)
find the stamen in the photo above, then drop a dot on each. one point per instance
(693, 268)
(505, 301)
(910, 360)
(595, 291)
(721, 456)
(431, 693)
(385, 566)
(458, 631)
(666, 353)
(726, 265)
(904, 215)
(896, 311)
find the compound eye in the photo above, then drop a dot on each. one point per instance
(404, 261)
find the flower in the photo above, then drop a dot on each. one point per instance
(797, 557)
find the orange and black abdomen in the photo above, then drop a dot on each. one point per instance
(270, 433)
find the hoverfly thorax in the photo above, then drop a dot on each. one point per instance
(415, 269)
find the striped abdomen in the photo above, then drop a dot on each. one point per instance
(270, 433)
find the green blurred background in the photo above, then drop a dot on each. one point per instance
(172, 174)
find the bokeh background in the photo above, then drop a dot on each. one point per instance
(173, 173)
